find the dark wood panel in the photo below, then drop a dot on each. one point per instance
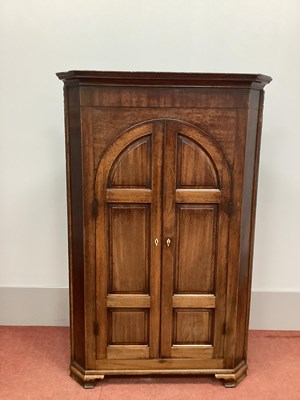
(132, 168)
(194, 167)
(195, 246)
(167, 97)
(109, 123)
(129, 326)
(192, 326)
(129, 236)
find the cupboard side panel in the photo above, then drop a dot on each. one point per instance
(248, 221)
(75, 223)
(230, 328)
(88, 177)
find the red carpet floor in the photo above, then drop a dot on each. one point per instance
(34, 366)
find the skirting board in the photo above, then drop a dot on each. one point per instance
(50, 307)
(34, 306)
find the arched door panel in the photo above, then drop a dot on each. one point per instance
(132, 168)
(190, 153)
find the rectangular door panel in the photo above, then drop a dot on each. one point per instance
(129, 238)
(128, 334)
(128, 326)
(192, 326)
(195, 247)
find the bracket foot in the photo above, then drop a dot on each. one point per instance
(231, 380)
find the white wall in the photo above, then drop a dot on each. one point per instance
(39, 38)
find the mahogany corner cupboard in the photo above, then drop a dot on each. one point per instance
(162, 177)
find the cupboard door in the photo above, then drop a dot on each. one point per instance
(128, 245)
(195, 233)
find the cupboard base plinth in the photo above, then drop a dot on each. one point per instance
(231, 380)
(89, 378)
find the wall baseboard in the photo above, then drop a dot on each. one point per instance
(50, 307)
(275, 311)
(34, 306)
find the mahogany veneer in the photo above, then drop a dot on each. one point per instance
(162, 177)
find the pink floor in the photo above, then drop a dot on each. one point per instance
(34, 366)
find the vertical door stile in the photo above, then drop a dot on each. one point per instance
(156, 238)
(101, 273)
(221, 271)
(168, 253)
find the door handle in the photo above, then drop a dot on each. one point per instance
(168, 242)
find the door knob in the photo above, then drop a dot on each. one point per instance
(168, 242)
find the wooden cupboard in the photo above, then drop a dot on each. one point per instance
(162, 176)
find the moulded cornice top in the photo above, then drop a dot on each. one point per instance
(177, 79)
